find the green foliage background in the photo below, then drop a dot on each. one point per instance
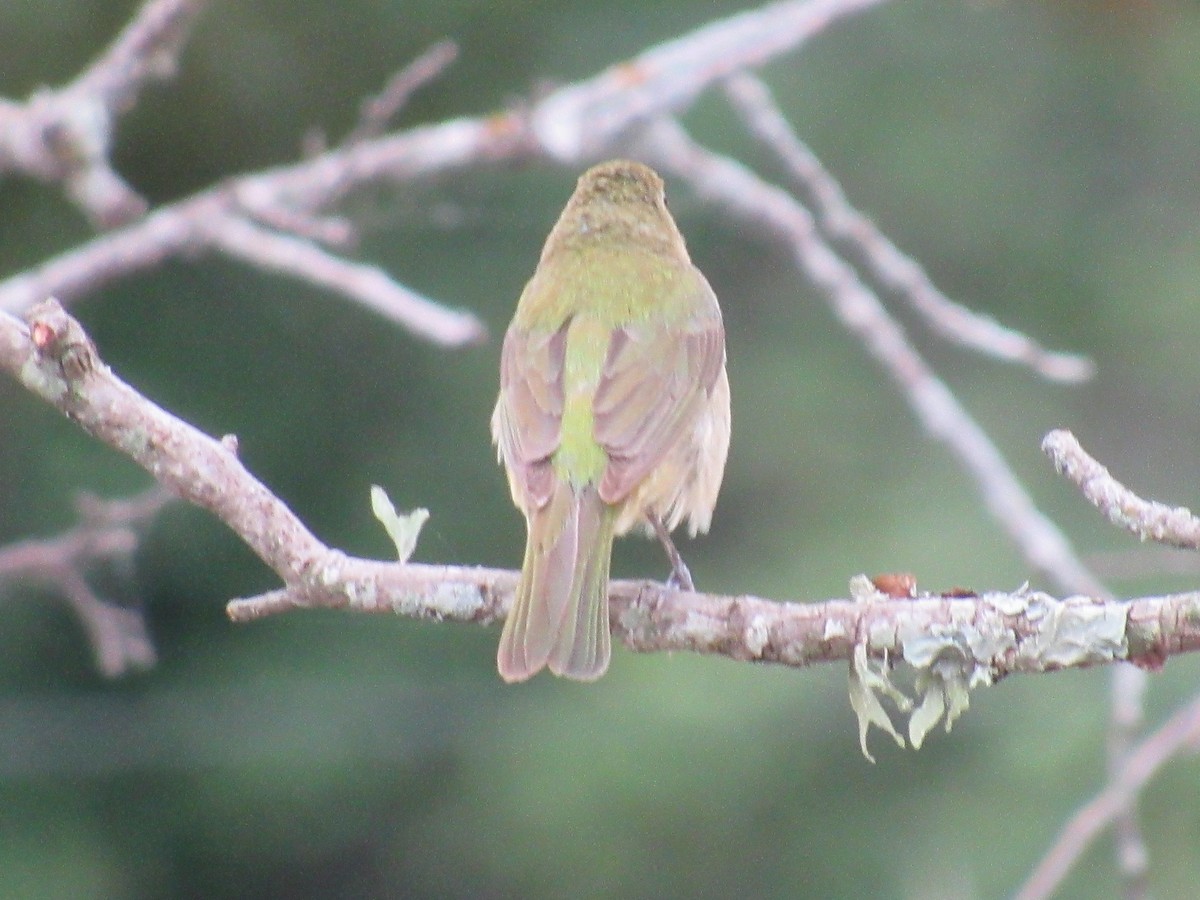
(1038, 157)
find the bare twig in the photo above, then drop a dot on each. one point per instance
(208, 222)
(1179, 733)
(1175, 526)
(65, 135)
(147, 49)
(369, 285)
(107, 531)
(379, 110)
(884, 260)
(330, 230)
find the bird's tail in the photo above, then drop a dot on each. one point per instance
(559, 617)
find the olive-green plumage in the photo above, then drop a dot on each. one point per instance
(613, 407)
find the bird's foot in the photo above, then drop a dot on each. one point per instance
(681, 576)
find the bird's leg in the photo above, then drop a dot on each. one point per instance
(680, 576)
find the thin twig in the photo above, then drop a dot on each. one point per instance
(1125, 720)
(366, 284)
(331, 230)
(890, 266)
(1175, 526)
(1144, 562)
(378, 111)
(107, 531)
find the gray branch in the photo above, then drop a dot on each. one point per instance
(886, 263)
(106, 532)
(65, 135)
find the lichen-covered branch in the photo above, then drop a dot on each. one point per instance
(981, 638)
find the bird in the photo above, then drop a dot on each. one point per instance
(613, 413)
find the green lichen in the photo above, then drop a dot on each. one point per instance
(867, 685)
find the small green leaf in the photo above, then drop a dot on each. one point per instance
(402, 529)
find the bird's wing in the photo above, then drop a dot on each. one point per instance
(528, 418)
(655, 381)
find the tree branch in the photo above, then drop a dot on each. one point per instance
(369, 285)
(377, 111)
(65, 135)
(984, 638)
(885, 262)
(107, 532)
(1149, 520)
(569, 125)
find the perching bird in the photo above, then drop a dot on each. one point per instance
(613, 412)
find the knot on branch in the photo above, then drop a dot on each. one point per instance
(60, 341)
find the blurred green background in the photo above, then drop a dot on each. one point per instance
(1039, 158)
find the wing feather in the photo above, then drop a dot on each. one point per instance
(655, 381)
(527, 423)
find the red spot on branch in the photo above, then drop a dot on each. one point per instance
(630, 74)
(42, 334)
(896, 585)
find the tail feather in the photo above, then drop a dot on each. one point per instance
(560, 613)
(585, 641)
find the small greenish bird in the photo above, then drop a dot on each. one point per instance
(613, 412)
